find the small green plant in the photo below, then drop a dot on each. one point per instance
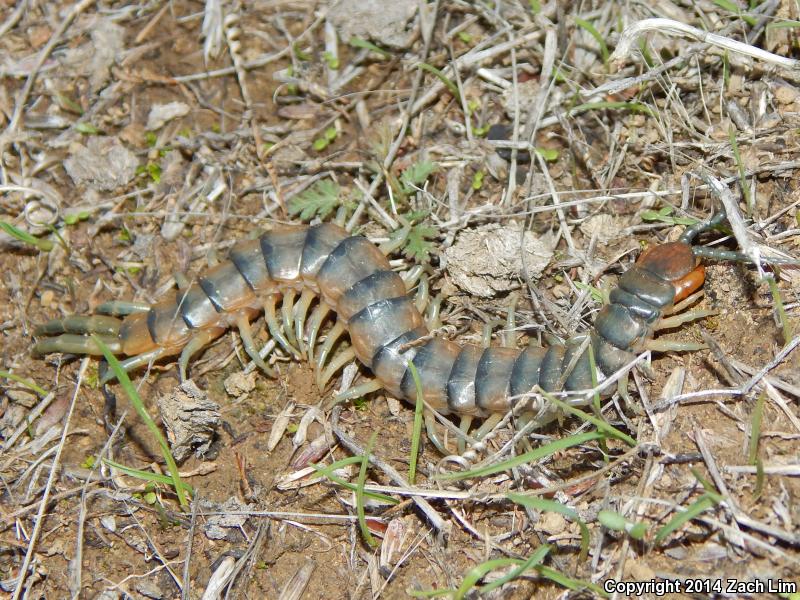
(320, 200)
(616, 522)
(328, 136)
(448, 83)
(591, 30)
(419, 245)
(416, 175)
(477, 180)
(87, 128)
(664, 215)
(331, 60)
(152, 170)
(356, 42)
(174, 478)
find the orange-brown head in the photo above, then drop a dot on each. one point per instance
(674, 262)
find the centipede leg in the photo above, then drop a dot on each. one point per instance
(317, 317)
(197, 342)
(134, 362)
(487, 426)
(275, 328)
(70, 343)
(362, 389)
(686, 302)
(121, 308)
(182, 281)
(339, 361)
(509, 334)
(287, 317)
(678, 320)
(423, 294)
(464, 425)
(673, 346)
(412, 276)
(433, 436)
(246, 333)
(99, 324)
(333, 335)
(432, 320)
(300, 313)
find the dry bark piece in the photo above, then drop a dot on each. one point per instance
(190, 419)
(103, 164)
(488, 260)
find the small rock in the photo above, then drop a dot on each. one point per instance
(239, 385)
(217, 527)
(551, 523)
(47, 297)
(161, 113)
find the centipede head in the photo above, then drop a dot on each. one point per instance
(676, 263)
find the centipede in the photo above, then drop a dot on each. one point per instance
(299, 276)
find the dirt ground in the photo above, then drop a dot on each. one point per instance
(526, 152)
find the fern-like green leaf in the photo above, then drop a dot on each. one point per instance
(418, 244)
(415, 175)
(319, 200)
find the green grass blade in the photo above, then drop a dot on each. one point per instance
(755, 430)
(357, 42)
(742, 171)
(545, 505)
(591, 30)
(417, 431)
(780, 309)
(148, 476)
(138, 405)
(569, 582)
(328, 472)
(362, 478)
(27, 238)
(533, 561)
(702, 504)
(608, 429)
(535, 454)
(451, 87)
(22, 381)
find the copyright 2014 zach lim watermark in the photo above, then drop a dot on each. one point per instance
(661, 587)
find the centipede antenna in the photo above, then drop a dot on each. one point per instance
(691, 232)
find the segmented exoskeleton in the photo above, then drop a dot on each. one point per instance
(352, 277)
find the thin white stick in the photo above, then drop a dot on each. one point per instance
(631, 33)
